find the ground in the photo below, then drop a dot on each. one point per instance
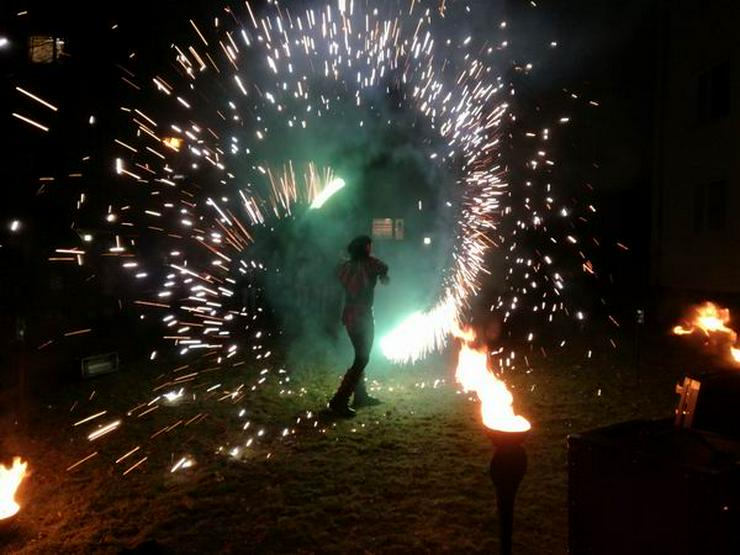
(408, 476)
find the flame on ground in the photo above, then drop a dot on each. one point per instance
(711, 320)
(496, 400)
(10, 480)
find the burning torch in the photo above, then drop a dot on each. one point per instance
(506, 429)
(10, 480)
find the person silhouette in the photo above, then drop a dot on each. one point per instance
(358, 277)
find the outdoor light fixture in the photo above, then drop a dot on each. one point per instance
(87, 238)
(99, 364)
(15, 226)
(4, 42)
(427, 240)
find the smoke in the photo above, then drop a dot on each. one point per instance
(389, 157)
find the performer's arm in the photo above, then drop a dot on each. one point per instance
(381, 270)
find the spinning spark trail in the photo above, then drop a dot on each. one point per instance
(213, 151)
(205, 180)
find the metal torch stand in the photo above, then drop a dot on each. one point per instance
(508, 466)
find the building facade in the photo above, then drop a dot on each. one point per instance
(695, 231)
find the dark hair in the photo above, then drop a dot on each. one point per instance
(357, 248)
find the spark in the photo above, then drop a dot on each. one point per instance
(184, 462)
(174, 396)
(104, 430)
(37, 99)
(127, 454)
(30, 121)
(81, 461)
(135, 466)
(91, 417)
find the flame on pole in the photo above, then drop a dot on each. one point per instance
(473, 374)
(506, 429)
(10, 480)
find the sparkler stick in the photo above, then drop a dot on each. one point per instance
(332, 188)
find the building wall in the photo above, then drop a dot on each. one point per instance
(696, 232)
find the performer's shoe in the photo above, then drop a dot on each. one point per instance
(366, 401)
(341, 409)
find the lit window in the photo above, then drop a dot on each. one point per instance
(383, 228)
(388, 228)
(45, 50)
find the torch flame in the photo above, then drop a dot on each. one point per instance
(711, 320)
(10, 480)
(496, 400)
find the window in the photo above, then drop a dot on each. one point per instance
(713, 93)
(383, 228)
(387, 228)
(45, 50)
(710, 207)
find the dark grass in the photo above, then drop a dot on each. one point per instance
(409, 476)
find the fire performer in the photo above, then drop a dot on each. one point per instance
(358, 276)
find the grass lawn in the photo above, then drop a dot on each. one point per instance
(409, 476)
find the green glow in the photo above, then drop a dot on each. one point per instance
(403, 336)
(334, 186)
(420, 333)
(411, 340)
